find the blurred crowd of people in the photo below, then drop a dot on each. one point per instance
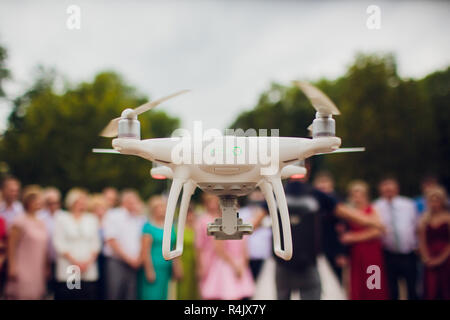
(109, 245)
(374, 247)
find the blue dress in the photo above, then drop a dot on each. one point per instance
(156, 290)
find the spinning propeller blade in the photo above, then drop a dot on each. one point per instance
(318, 99)
(99, 150)
(355, 149)
(344, 150)
(151, 104)
(111, 130)
(310, 130)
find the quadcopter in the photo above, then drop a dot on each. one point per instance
(242, 173)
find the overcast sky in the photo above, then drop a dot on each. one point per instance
(227, 52)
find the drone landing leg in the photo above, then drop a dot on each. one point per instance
(269, 188)
(175, 189)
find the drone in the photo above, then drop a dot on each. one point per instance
(237, 177)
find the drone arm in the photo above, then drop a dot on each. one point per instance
(134, 147)
(269, 188)
(175, 190)
(156, 149)
(294, 149)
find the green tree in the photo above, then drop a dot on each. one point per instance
(391, 118)
(437, 87)
(281, 107)
(401, 122)
(51, 135)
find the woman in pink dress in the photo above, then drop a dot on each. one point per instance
(27, 252)
(223, 270)
(434, 245)
(365, 250)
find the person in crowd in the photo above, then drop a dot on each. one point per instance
(399, 216)
(98, 205)
(111, 195)
(10, 206)
(365, 249)
(77, 243)
(52, 208)
(154, 277)
(123, 233)
(2, 246)
(434, 244)
(187, 286)
(260, 241)
(428, 182)
(301, 272)
(334, 250)
(27, 251)
(223, 270)
(307, 206)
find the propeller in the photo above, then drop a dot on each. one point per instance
(325, 107)
(310, 130)
(111, 130)
(99, 150)
(318, 99)
(344, 150)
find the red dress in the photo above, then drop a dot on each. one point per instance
(362, 255)
(2, 228)
(437, 279)
(2, 251)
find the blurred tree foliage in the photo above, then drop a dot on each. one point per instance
(437, 87)
(51, 134)
(4, 72)
(403, 123)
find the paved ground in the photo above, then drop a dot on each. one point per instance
(265, 288)
(331, 289)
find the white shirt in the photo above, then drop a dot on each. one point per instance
(400, 218)
(259, 243)
(126, 229)
(10, 213)
(80, 238)
(49, 221)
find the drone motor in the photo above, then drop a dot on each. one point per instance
(323, 126)
(129, 125)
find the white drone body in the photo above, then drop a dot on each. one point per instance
(238, 176)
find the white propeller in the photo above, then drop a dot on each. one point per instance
(343, 150)
(111, 130)
(318, 99)
(310, 130)
(99, 150)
